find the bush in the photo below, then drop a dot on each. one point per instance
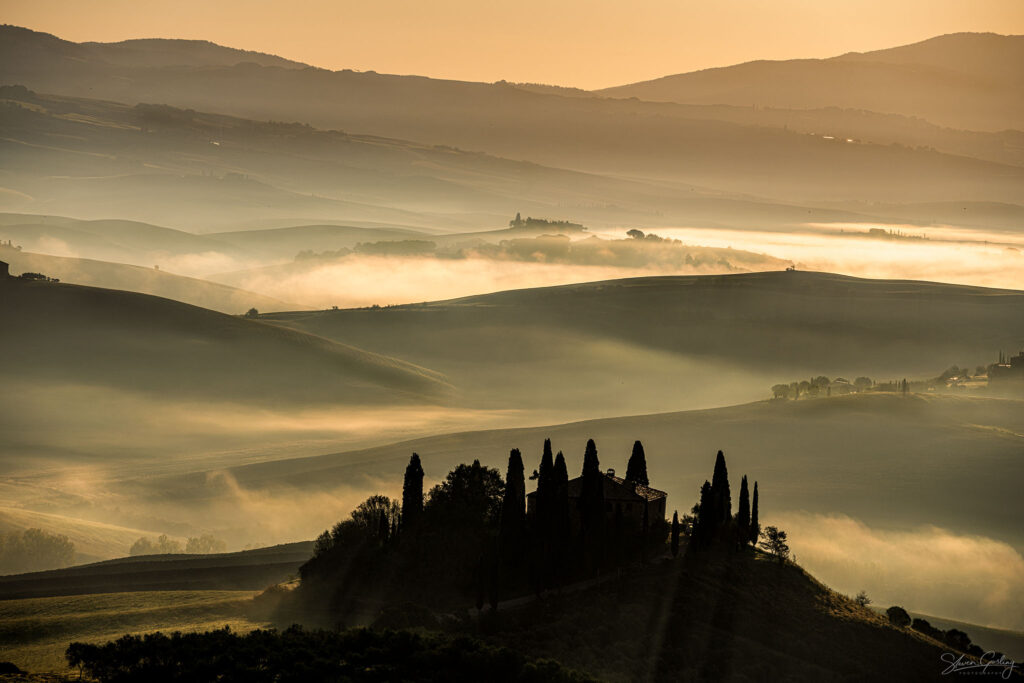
(898, 616)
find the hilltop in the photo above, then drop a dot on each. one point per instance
(58, 334)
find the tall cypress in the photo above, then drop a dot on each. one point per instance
(513, 505)
(412, 493)
(561, 522)
(545, 491)
(675, 533)
(636, 469)
(743, 513)
(755, 526)
(720, 491)
(591, 502)
(705, 526)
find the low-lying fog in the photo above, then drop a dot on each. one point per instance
(948, 254)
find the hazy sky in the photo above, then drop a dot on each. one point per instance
(586, 43)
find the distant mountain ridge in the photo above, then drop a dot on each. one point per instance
(151, 52)
(962, 80)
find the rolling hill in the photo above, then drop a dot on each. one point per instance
(658, 343)
(160, 283)
(964, 80)
(243, 570)
(58, 334)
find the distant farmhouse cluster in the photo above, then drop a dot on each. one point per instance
(5, 272)
(1008, 369)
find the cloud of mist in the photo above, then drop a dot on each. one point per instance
(931, 570)
(950, 254)
(368, 280)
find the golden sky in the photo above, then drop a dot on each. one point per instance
(584, 43)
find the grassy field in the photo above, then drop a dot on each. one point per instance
(35, 632)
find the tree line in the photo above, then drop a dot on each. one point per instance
(163, 545)
(298, 656)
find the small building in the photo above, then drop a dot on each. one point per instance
(621, 498)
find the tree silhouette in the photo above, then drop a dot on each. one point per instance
(898, 616)
(720, 491)
(743, 513)
(755, 526)
(704, 527)
(561, 524)
(636, 469)
(592, 515)
(774, 541)
(412, 493)
(513, 506)
(675, 533)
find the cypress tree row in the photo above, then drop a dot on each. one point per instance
(636, 469)
(412, 493)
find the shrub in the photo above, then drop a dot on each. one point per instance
(898, 616)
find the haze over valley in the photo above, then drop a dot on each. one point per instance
(238, 292)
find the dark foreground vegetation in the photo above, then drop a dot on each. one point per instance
(301, 656)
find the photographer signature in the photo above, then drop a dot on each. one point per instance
(986, 664)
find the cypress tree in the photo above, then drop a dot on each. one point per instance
(546, 491)
(383, 528)
(720, 492)
(704, 527)
(636, 469)
(513, 505)
(592, 507)
(743, 513)
(561, 523)
(755, 526)
(675, 533)
(412, 493)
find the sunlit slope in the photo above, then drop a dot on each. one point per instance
(965, 80)
(881, 458)
(658, 343)
(66, 334)
(150, 280)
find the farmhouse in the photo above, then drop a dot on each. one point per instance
(622, 499)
